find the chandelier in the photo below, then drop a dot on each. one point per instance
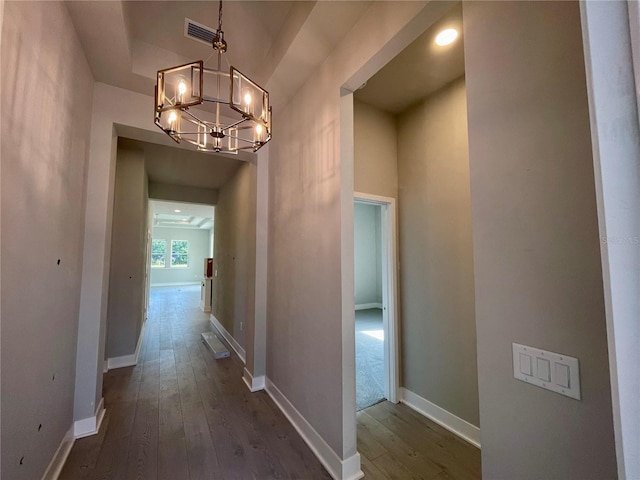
(234, 112)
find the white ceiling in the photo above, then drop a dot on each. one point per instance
(190, 215)
(250, 27)
(419, 70)
(127, 42)
(276, 43)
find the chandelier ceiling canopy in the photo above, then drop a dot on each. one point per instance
(233, 112)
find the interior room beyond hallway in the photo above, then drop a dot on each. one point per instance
(369, 358)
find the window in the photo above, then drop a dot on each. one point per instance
(180, 253)
(158, 253)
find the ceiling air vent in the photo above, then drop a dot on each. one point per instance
(197, 31)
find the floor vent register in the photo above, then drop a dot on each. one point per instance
(216, 346)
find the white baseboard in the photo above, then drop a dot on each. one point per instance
(127, 360)
(60, 457)
(255, 384)
(348, 469)
(215, 323)
(89, 426)
(442, 417)
(174, 284)
(367, 306)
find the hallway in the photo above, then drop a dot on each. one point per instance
(180, 414)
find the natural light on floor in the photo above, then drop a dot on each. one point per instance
(377, 334)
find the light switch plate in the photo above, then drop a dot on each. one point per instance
(552, 371)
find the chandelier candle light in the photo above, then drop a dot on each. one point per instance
(234, 115)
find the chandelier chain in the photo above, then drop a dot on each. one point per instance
(220, 15)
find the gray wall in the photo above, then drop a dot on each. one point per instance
(181, 193)
(235, 253)
(310, 337)
(436, 264)
(125, 313)
(368, 254)
(536, 248)
(375, 167)
(46, 114)
(198, 251)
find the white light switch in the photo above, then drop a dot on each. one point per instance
(525, 364)
(551, 371)
(561, 374)
(543, 371)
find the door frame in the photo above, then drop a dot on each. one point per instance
(147, 275)
(388, 227)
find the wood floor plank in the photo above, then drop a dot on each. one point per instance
(231, 449)
(402, 416)
(403, 453)
(395, 470)
(255, 419)
(411, 416)
(152, 350)
(435, 444)
(461, 451)
(165, 335)
(170, 410)
(242, 409)
(112, 460)
(239, 444)
(465, 455)
(142, 461)
(121, 417)
(187, 384)
(368, 445)
(121, 385)
(173, 460)
(454, 447)
(167, 363)
(293, 453)
(203, 461)
(82, 460)
(180, 352)
(371, 472)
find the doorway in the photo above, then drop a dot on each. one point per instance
(406, 135)
(180, 240)
(375, 298)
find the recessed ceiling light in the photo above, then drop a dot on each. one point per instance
(177, 211)
(445, 37)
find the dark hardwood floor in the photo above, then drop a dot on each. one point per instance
(181, 415)
(394, 441)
